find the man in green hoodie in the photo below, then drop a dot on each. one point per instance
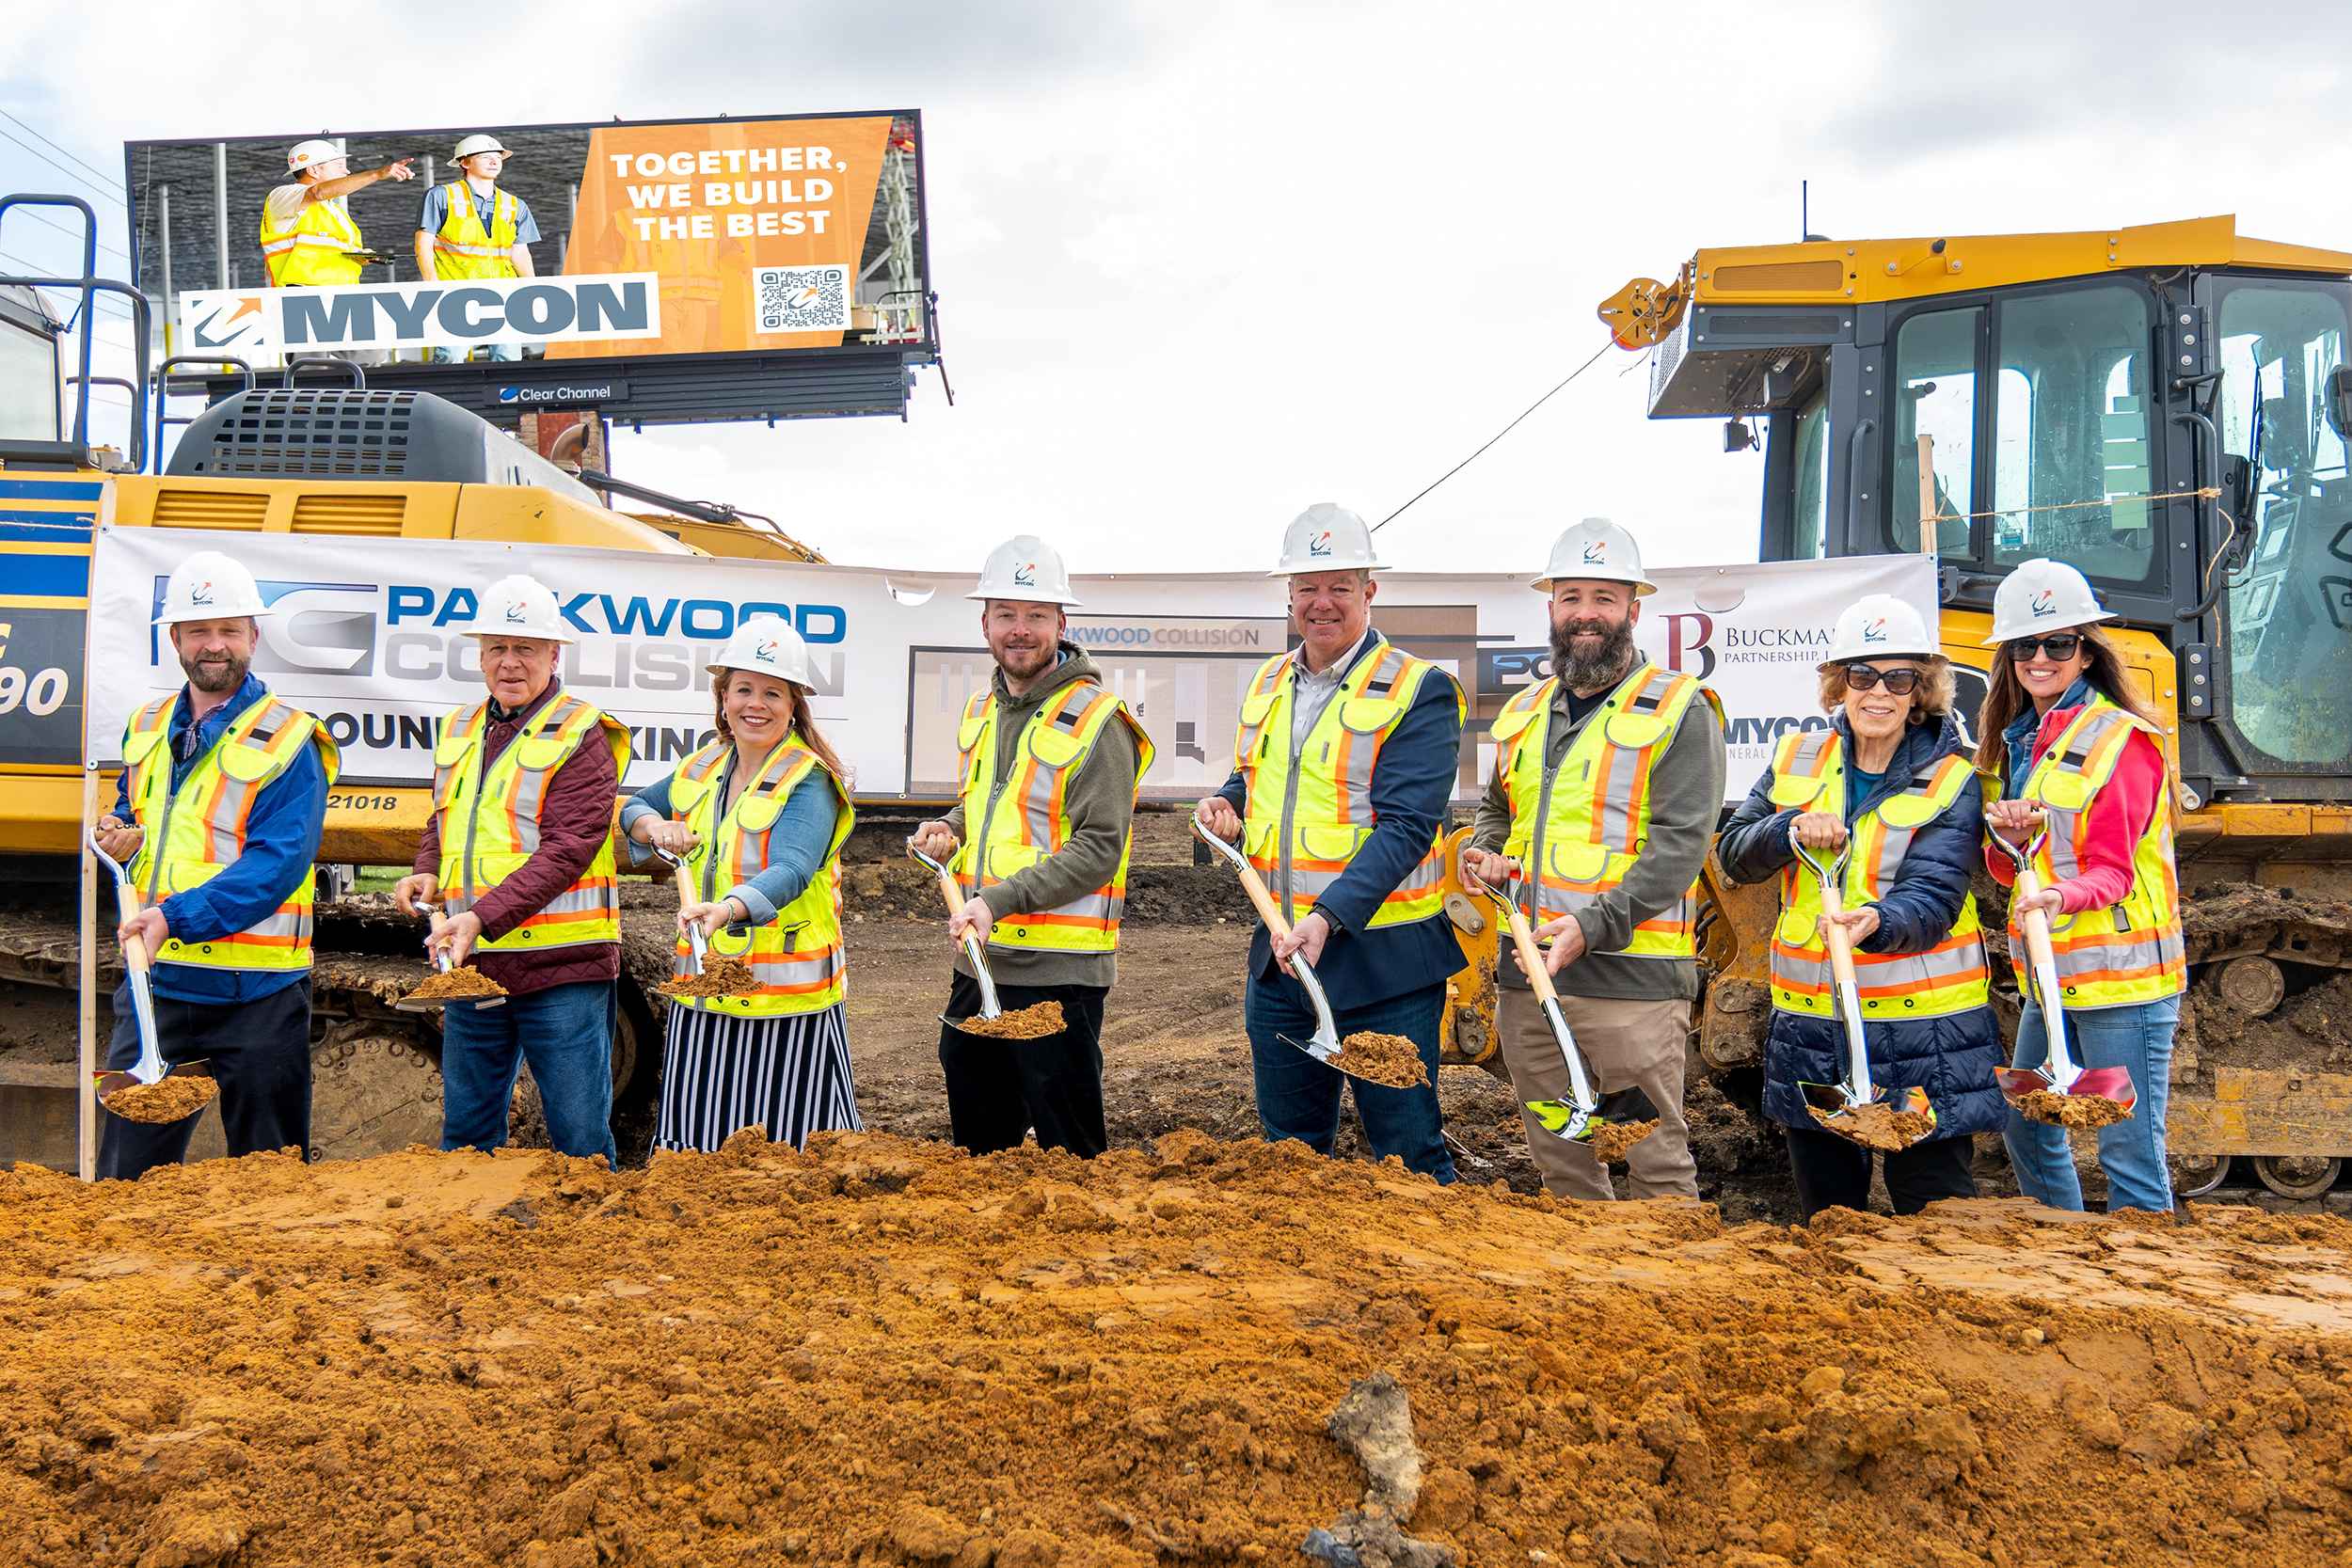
(1051, 765)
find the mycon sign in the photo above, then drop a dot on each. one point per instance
(259, 323)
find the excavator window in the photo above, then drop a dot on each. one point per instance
(1809, 532)
(2289, 562)
(1936, 394)
(2071, 433)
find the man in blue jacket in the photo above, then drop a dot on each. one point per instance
(218, 818)
(1343, 768)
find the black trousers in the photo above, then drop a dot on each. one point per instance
(1834, 1173)
(999, 1089)
(260, 1053)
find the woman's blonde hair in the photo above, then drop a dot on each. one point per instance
(1930, 698)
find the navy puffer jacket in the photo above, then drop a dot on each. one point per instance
(1952, 1057)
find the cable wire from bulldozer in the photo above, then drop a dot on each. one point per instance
(1497, 436)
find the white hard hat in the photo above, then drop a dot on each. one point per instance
(518, 606)
(209, 586)
(1027, 569)
(1327, 537)
(318, 150)
(481, 141)
(766, 645)
(1597, 551)
(2043, 595)
(1880, 626)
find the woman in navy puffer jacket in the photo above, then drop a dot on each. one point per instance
(1890, 783)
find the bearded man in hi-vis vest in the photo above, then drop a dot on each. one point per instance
(1344, 769)
(1052, 761)
(516, 870)
(216, 821)
(1608, 780)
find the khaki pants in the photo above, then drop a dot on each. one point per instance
(1626, 1045)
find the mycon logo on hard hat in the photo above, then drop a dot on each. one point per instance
(766, 652)
(1597, 554)
(1320, 544)
(202, 593)
(514, 613)
(1024, 575)
(2044, 603)
(1875, 631)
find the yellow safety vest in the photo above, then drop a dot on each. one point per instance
(1579, 828)
(194, 834)
(463, 248)
(1809, 774)
(1309, 807)
(489, 820)
(797, 957)
(2129, 952)
(1055, 743)
(314, 253)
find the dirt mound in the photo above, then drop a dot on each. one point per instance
(882, 1352)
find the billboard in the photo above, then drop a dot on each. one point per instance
(485, 261)
(369, 642)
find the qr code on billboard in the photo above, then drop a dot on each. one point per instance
(801, 299)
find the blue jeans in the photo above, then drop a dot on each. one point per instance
(566, 1034)
(1299, 1098)
(2138, 1037)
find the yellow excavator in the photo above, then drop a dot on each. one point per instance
(337, 462)
(2167, 407)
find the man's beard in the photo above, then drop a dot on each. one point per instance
(225, 675)
(1604, 666)
(1022, 664)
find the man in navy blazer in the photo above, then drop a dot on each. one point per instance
(1344, 768)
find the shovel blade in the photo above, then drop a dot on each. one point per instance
(108, 1083)
(1564, 1119)
(2017, 1082)
(2106, 1082)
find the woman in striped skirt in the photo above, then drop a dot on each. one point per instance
(759, 815)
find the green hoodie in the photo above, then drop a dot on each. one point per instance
(1101, 802)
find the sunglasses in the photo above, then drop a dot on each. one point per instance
(1900, 683)
(2060, 647)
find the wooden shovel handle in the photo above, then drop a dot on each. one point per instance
(685, 885)
(1840, 941)
(950, 894)
(2034, 923)
(1261, 899)
(1530, 956)
(127, 905)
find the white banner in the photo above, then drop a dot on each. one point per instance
(260, 325)
(365, 634)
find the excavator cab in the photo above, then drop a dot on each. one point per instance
(2165, 407)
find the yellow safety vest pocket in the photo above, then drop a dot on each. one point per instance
(1368, 715)
(1255, 706)
(245, 764)
(1259, 837)
(1512, 721)
(968, 732)
(1911, 811)
(537, 753)
(137, 748)
(1796, 789)
(1329, 842)
(686, 795)
(1053, 747)
(1634, 731)
(1796, 926)
(2065, 790)
(759, 813)
(1008, 860)
(454, 748)
(1575, 859)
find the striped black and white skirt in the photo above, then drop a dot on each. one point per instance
(720, 1074)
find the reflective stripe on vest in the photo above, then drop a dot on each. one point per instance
(2129, 952)
(313, 253)
(1809, 774)
(1027, 821)
(1309, 807)
(1579, 828)
(489, 820)
(194, 834)
(463, 248)
(796, 959)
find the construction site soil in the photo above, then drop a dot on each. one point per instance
(1876, 1125)
(882, 1352)
(1389, 1059)
(2076, 1113)
(721, 976)
(168, 1099)
(462, 984)
(1032, 1022)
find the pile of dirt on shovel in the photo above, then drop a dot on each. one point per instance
(884, 1351)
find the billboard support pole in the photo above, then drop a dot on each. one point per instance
(220, 214)
(162, 231)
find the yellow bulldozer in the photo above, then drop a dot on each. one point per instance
(2165, 407)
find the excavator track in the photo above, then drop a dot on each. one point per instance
(376, 1071)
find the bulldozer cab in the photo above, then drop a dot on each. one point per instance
(2163, 407)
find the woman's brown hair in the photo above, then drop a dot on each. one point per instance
(803, 722)
(2005, 697)
(1931, 699)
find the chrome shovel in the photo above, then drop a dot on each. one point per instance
(2060, 1073)
(1325, 1046)
(441, 962)
(150, 1067)
(989, 1006)
(1842, 1099)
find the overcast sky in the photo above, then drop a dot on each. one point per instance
(1200, 266)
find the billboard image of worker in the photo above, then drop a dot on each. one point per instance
(500, 244)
